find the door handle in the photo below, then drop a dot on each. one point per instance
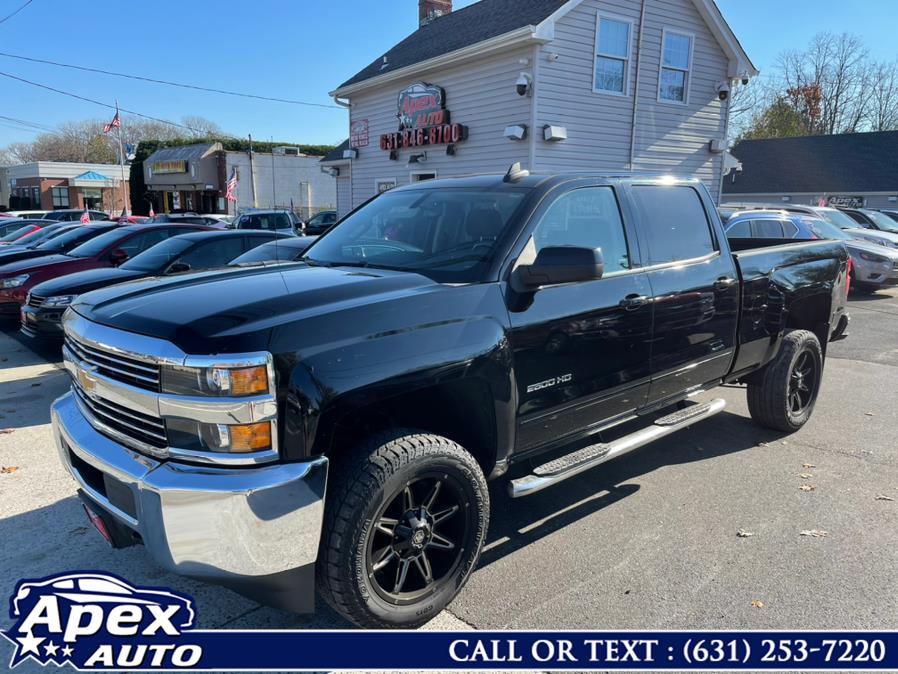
(631, 302)
(724, 282)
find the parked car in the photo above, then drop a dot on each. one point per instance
(18, 230)
(72, 214)
(869, 219)
(72, 235)
(890, 212)
(41, 316)
(11, 228)
(185, 218)
(24, 214)
(873, 266)
(224, 220)
(444, 332)
(286, 249)
(109, 249)
(283, 222)
(320, 222)
(831, 215)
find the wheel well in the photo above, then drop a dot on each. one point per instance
(461, 411)
(806, 314)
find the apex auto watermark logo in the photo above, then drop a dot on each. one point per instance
(95, 620)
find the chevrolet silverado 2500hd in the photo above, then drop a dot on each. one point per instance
(333, 423)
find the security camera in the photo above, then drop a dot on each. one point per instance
(524, 84)
(723, 91)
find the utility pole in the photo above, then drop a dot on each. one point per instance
(274, 194)
(121, 155)
(252, 172)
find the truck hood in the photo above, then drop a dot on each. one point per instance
(234, 310)
(15, 253)
(85, 281)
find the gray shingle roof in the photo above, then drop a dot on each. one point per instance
(850, 162)
(462, 28)
(183, 152)
(337, 153)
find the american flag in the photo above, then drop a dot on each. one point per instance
(231, 191)
(85, 218)
(152, 212)
(114, 124)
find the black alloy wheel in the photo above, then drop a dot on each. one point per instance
(802, 383)
(419, 539)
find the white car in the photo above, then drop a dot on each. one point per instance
(23, 214)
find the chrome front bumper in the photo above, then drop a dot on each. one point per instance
(255, 529)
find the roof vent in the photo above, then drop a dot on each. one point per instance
(385, 64)
(515, 173)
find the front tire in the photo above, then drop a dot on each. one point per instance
(405, 520)
(784, 397)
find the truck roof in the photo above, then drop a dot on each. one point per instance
(532, 180)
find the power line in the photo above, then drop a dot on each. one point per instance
(25, 122)
(9, 16)
(171, 84)
(96, 102)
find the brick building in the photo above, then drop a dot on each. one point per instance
(49, 186)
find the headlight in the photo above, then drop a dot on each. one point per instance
(238, 439)
(58, 301)
(872, 257)
(14, 282)
(215, 381)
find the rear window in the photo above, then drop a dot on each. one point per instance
(71, 238)
(675, 222)
(740, 230)
(267, 221)
(767, 229)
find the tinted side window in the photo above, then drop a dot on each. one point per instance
(140, 242)
(675, 222)
(790, 231)
(213, 253)
(740, 230)
(767, 229)
(589, 218)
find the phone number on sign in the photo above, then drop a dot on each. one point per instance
(784, 651)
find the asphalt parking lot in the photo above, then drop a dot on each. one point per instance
(646, 541)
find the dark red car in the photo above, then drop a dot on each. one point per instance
(107, 250)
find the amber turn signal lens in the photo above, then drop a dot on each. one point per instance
(250, 437)
(248, 380)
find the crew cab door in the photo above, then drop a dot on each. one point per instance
(694, 284)
(581, 350)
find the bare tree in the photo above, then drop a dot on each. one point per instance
(882, 97)
(835, 68)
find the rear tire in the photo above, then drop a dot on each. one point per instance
(405, 519)
(784, 396)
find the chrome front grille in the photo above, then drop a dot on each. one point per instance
(36, 301)
(116, 366)
(127, 424)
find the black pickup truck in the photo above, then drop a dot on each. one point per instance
(333, 423)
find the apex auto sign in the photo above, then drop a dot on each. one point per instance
(423, 120)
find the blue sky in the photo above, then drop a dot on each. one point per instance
(299, 49)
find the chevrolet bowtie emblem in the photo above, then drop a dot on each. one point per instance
(86, 380)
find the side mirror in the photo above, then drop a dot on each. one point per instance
(118, 256)
(178, 268)
(561, 264)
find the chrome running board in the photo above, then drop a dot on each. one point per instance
(566, 466)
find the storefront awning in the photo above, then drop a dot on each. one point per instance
(92, 179)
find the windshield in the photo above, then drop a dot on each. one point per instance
(159, 256)
(838, 218)
(15, 234)
(35, 236)
(447, 234)
(883, 222)
(70, 238)
(270, 252)
(97, 245)
(826, 230)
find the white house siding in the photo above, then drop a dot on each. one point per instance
(480, 94)
(344, 192)
(669, 137)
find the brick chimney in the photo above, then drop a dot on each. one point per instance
(428, 10)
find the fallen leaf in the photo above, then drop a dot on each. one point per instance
(626, 591)
(870, 414)
(742, 533)
(815, 533)
(763, 444)
(79, 530)
(784, 442)
(757, 603)
(7, 431)
(805, 476)
(808, 487)
(883, 497)
(8, 469)
(808, 465)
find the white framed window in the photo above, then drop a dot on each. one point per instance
(675, 72)
(614, 37)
